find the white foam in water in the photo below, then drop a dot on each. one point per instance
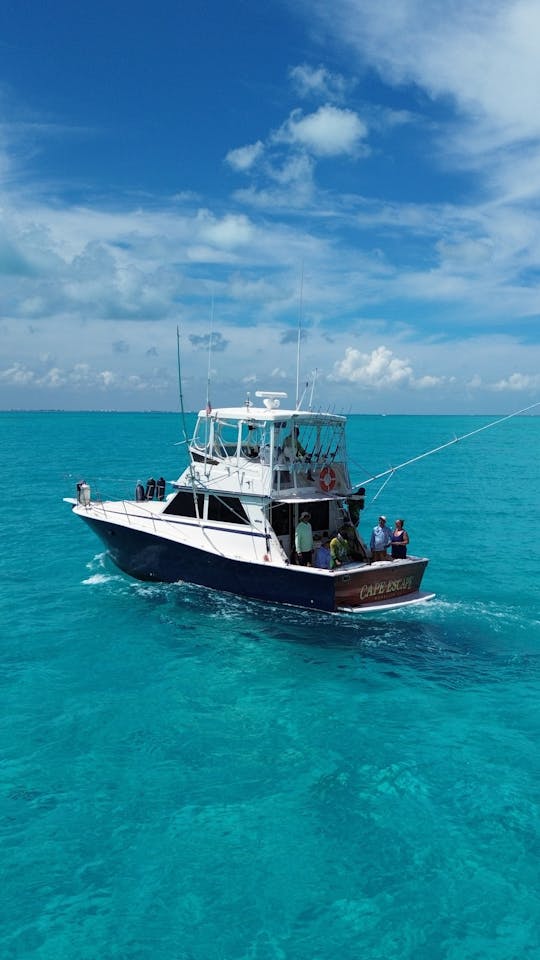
(99, 562)
(99, 578)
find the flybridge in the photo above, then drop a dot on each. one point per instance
(285, 440)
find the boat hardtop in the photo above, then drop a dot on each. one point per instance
(269, 450)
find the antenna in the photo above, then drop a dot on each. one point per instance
(301, 400)
(210, 344)
(299, 335)
(183, 416)
(182, 411)
(315, 372)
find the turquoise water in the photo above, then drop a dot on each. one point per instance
(187, 776)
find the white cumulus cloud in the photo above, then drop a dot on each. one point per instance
(243, 158)
(328, 132)
(377, 370)
(518, 382)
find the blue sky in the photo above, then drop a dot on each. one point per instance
(368, 171)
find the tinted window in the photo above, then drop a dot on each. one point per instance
(226, 509)
(183, 505)
(319, 514)
(280, 518)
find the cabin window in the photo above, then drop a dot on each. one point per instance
(320, 514)
(226, 510)
(183, 505)
(281, 519)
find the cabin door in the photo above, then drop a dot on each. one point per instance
(282, 520)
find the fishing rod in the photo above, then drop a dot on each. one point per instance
(465, 436)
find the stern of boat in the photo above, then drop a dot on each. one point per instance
(382, 583)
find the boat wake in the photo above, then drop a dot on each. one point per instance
(100, 565)
(98, 578)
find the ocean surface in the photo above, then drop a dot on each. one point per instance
(190, 776)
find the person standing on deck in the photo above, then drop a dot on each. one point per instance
(339, 551)
(303, 540)
(323, 557)
(400, 539)
(381, 537)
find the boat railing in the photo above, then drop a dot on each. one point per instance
(99, 505)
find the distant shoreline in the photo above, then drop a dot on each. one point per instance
(196, 412)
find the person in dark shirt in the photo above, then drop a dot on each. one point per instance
(400, 539)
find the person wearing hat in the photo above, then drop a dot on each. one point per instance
(381, 537)
(303, 540)
(339, 550)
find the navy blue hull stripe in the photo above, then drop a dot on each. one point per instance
(146, 556)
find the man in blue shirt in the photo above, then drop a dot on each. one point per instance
(381, 537)
(322, 555)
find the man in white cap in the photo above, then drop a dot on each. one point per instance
(303, 540)
(381, 537)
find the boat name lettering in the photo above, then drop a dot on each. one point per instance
(387, 586)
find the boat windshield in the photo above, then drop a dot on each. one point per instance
(226, 437)
(317, 438)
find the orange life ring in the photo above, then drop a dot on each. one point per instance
(327, 479)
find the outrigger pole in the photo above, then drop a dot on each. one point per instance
(183, 417)
(407, 463)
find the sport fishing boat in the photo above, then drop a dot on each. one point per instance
(228, 522)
